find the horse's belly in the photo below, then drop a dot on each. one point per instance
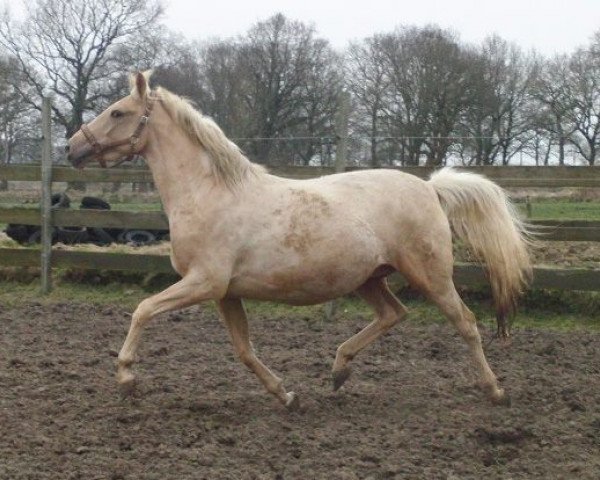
(297, 286)
(312, 261)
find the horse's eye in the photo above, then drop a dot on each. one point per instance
(116, 114)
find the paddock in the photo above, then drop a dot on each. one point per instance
(410, 410)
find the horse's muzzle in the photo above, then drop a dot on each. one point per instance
(79, 158)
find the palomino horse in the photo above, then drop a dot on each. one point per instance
(238, 232)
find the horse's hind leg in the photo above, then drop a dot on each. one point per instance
(234, 316)
(388, 312)
(448, 300)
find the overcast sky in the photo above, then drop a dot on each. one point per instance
(549, 26)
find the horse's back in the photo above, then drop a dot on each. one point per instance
(391, 202)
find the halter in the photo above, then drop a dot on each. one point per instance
(99, 149)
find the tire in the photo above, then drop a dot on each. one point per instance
(36, 236)
(72, 235)
(19, 233)
(99, 236)
(138, 237)
(164, 236)
(94, 203)
(61, 200)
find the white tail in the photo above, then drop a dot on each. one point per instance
(482, 216)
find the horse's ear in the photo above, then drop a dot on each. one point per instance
(139, 83)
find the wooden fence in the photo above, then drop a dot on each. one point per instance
(507, 177)
(466, 274)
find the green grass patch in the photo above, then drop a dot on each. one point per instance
(14, 294)
(549, 209)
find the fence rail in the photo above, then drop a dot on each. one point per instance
(549, 230)
(87, 218)
(508, 177)
(465, 274)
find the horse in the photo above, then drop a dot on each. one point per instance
(238, 232)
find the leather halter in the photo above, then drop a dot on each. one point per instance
(99, 148)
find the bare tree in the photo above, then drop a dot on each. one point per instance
(496, 123)
(253, 88)
(368, 83)
(68, 48)
(221, 93)
(319, 103)
(427, 74)
(552, 91)
(478, 125)
(585, 96)
(18, 135)
(278, 61)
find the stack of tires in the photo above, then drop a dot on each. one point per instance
(30, 234)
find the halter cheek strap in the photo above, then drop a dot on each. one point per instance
(99, 148)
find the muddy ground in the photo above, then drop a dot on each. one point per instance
(409, 412)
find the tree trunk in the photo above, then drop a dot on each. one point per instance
(561, 142)
(7, 158)
(561, 151)
(374, 132)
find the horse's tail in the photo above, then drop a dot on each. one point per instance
(482, 216)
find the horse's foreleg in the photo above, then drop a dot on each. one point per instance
(186, 292)
(234, 316)
(388, 312)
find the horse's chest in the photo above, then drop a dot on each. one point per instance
(186, 248)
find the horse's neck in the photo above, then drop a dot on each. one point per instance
(181, 170)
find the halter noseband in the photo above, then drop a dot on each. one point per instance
(99, 149)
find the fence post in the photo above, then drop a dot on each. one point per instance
(46, 200)
(341, 158)
(341, 131)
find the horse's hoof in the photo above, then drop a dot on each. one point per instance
(293, 402)
(501, 399)
(128, 386)
(340, 377)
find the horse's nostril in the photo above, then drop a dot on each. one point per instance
(67, 148)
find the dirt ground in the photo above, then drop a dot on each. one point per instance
(410, 411)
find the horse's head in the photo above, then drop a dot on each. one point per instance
(118, 132)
